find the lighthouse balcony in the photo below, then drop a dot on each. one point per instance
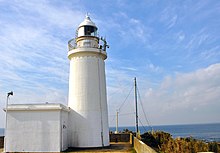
(83, 43)
(71, 44)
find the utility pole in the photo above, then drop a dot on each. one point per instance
(116, 132)
(135, 95)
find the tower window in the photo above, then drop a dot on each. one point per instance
(87, 31)
(90, 31)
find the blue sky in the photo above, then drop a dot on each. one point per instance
(172, 47)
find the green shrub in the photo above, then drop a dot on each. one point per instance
(164, 143)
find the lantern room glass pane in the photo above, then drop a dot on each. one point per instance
(87, 31)
(81, 31)
(90, 31)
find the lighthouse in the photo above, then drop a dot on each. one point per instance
(53, 127)
(88, 118)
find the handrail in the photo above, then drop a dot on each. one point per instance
(71, 44)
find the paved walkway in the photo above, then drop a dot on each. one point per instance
(120, 147)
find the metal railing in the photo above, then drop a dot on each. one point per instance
(87, 44)
(71, 44)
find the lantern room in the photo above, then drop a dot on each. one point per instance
(87, 28)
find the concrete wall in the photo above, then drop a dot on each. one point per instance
(64, 125)
(34, 131)
(121, 137)
(1, 141)
(141, 147)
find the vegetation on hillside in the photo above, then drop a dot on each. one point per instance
(164, 143)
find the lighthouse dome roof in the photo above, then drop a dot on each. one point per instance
(87, 22)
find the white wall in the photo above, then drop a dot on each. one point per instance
(64, 130)
(34, 131)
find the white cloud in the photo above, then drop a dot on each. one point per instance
(197, 39)
(172, 21)
(129, 29)
(195, 91)
(33, 61)
(57, 15)
(211, 54)
(169, 16)
(180, 36)
(138, 30)
(129, 68)
(153, 68)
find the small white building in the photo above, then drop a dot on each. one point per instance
(36, 128)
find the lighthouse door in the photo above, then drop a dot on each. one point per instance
(64, 140)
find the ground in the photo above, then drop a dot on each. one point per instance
(124, 147)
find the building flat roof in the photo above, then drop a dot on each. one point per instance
(46, 106)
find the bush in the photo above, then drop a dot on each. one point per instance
(164, 143)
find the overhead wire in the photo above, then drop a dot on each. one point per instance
(142, 125)
(113, 116)
(125, 99)
(122, 106)
(126, 114)
(116, 91)
(145, 116)
(112, 119)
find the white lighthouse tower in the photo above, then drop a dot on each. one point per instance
(87, 88)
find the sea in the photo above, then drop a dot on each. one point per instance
(205, 132)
